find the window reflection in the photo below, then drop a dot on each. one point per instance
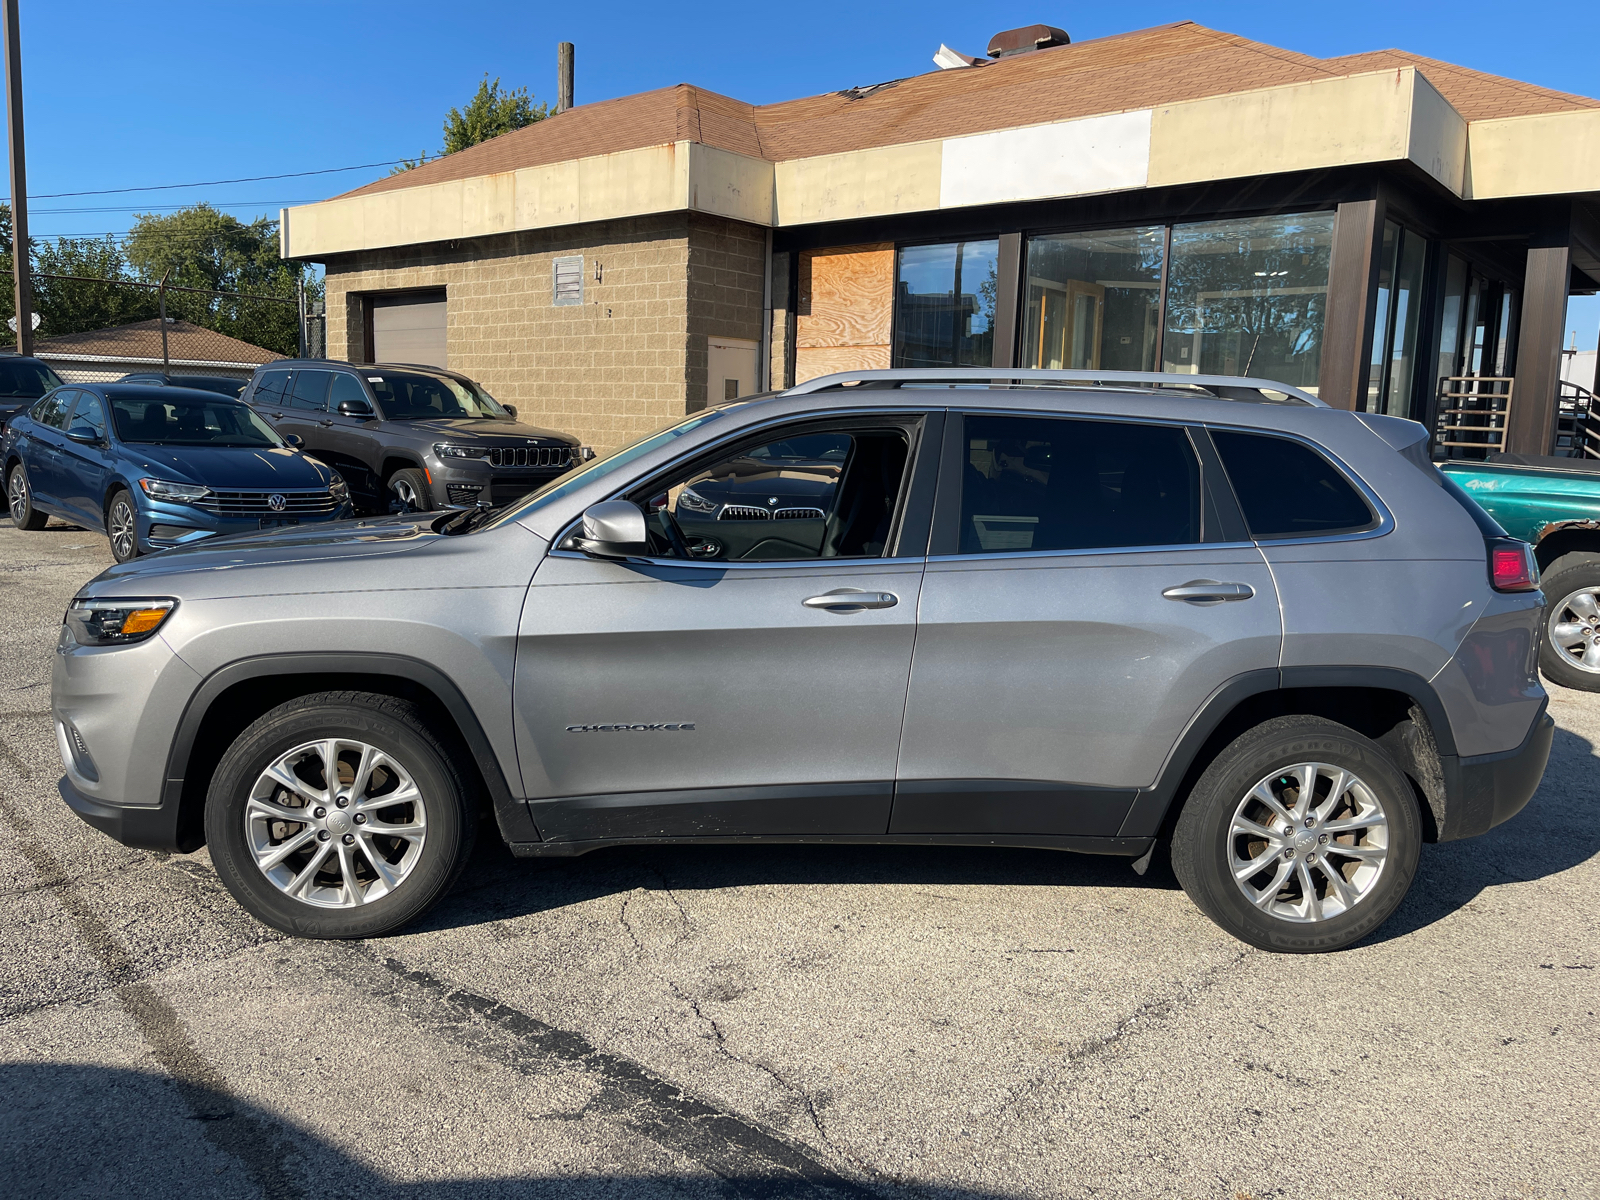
(944, 304)
(1249, 297)
(1094, 300)
(1396, 321)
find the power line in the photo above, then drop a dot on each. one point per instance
(166, 187)
(169, 207)
(171, 287)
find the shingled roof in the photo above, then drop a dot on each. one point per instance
(1142, 69)
(141, 340)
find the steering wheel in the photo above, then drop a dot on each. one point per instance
(680, 545)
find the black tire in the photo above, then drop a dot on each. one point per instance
(394, 727)
(1567, 579)
(409, 489)
(19, 499)
(1203, 847)
(122, 526)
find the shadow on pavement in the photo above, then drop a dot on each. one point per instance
(1557, 831)
(70, 1132)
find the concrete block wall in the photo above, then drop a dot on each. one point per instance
(609, 370)
(726, 273)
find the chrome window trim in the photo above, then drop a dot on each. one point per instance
(735, 564)
(1007, 555)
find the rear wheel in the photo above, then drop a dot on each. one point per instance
(1570, 652)
(339, 815)
(19, 497)
(122, 527)
(1301, 836)
(409, 489)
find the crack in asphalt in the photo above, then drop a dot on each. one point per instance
(759, 1161)
(257, 1146)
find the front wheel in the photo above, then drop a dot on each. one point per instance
(1300, 836)
(19, 496)
(122, 527)
(1570, 652)
(339, 815)
(408, 490)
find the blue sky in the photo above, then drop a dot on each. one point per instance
(120, 95)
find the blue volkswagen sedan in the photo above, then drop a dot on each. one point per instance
(170, 467)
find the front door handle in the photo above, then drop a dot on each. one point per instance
(849, 600)
(328, 423)
(1207, 591)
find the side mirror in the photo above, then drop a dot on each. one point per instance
(294, 440)
(355, 408)
(510, 408)
(88, 435)
(613, 529)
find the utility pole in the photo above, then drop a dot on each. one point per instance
(564, 56)
(19, 181)
(161, 298)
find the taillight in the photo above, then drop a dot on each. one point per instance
(1512, 567)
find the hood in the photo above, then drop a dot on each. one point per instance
(487, 428)
(242, 468)
(296, 544)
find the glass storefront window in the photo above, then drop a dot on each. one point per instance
(1397, 321)
(944, 304)
(1094, 300)
(1249, 297)
(1451, 319)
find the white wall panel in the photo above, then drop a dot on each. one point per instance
(1068, 158)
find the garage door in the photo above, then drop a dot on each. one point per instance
(409, 329)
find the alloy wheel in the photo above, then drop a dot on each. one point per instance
(123, 531)
(336, 823)
(1308, 843)
(17, 492)
(407, 495)
(1574, 627)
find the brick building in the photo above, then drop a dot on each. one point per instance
(1384, 229)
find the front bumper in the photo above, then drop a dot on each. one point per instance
(1486, 789)
(162, 525)
(143, 828)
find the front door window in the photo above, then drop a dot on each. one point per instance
(813, 493)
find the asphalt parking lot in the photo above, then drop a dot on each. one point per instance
(786, 1021)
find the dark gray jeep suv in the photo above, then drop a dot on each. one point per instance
(410, 437)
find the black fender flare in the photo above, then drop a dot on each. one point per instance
(1151, 806)
(510, 812)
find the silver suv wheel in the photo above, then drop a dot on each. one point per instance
(336, 823)
(1308, 843)
(1574, 625)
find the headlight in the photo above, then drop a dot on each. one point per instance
(178, 493)
(116, 622)
(337, 488)
(450, 450)
(692, 501)
(583, 454)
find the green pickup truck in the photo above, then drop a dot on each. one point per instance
(1555, 504)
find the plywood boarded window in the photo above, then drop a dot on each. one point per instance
(845, 310)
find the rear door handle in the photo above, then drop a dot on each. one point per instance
(849, 600)
(1207, 591)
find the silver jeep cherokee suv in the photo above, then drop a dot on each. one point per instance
(1098, 612)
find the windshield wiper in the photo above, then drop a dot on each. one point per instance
(468, 519)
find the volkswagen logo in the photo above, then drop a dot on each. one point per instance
(277, 502)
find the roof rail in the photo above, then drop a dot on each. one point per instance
(1219, 387)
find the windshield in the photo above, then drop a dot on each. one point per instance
(411, 396)
(173, 422)
(29, 380)
(599, 468)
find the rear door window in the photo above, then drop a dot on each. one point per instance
(1286, 489)
(53, 409)
(1051, 483)
(311, 390)
(272, 388)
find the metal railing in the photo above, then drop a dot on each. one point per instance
(1474, 415)
(1577, 422)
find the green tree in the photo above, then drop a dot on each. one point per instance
(491, 112)
(201, 247)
